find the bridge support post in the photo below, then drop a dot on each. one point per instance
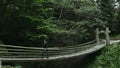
(107, 36)
(97, 36)
(0, 63)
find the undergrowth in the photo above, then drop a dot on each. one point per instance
(110, 58)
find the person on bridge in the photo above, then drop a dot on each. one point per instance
(45, 51)
(45, 45)
(44, 39)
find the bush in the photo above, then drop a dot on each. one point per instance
(109, 58)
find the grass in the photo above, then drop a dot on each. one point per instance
(110, 58)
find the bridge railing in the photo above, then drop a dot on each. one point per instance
(10, 51)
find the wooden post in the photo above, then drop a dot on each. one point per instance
(97, 36)
(107, 36)
(0, 63)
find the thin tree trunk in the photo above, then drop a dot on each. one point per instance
(60, 16)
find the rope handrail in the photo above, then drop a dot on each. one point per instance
(28, 52)
(48, 51)
(50, 48)
(76, 46)
(35, 48)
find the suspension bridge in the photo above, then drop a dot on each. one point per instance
(20, 53)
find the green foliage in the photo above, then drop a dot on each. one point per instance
(24, 22)
(109, 14)
(64, 22)
(107, 10)
(79, 17)
(109, 58)
(61, 22)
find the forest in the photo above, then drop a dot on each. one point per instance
(62, 23)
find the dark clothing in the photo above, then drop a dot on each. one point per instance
(45, 44)
(44, 53)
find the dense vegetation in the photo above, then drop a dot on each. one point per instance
(28, 22)
(109, 58)
(63, 22)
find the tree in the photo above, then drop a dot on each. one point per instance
(79, 16)
(107, 14)
(24, 21)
